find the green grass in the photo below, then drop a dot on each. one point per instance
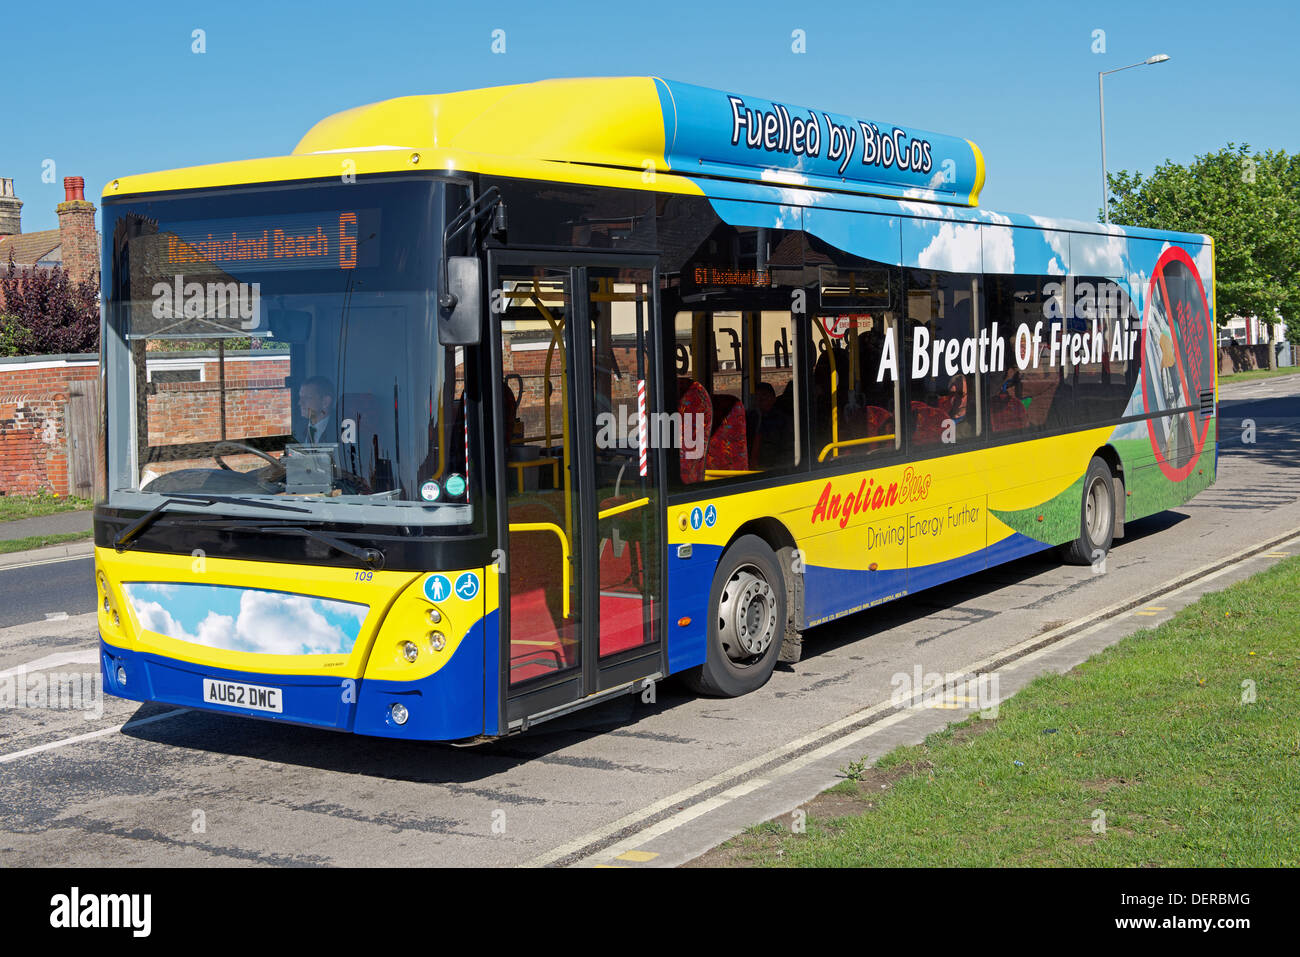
(40, 541)
(1257, 374)
(1153, 732)
(14, 507)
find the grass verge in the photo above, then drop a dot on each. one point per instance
(1179, 746)
(14, 507)
(40, 541)
(1257, 374)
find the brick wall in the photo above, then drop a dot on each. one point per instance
(34, 440)
(1239, 357)
(257, 404)
(33, 443)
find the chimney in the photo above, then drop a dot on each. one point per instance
(77, 231)
(11, 209)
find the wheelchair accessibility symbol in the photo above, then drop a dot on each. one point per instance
(710, 516)
(437, 588)
(467, 585)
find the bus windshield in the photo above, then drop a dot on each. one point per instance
(279, 344)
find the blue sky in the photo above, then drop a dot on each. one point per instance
(1020, 79)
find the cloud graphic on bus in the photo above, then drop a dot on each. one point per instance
(247, 619)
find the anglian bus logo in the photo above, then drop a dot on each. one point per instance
(870, 497)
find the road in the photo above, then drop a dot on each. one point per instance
(38, 591)
(630, 783)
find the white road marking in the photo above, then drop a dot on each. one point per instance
(1019, 651)
(48, 561)
(103, 732)
(84, 656)
(56, 616)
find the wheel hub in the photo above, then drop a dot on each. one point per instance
(747, 615)
(1097, 511)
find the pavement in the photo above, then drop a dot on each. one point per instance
(635, 782)
(60, 523)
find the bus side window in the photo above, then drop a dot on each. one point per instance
(944, 402)
(856, 361)
(1021, 401)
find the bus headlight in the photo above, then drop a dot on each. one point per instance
(437, 640)
(398, 713)
(410, 651)
(121, 677)
(435, 616)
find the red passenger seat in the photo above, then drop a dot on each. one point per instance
(929, 423)
(728, 448)
(692, 400)
(1008, 414)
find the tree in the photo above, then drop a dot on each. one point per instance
(46, 313)
(1249, 203)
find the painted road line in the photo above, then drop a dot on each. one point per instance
(103, 732)
(19, 563)
(585, 849)
(86, 656)
(637, 857)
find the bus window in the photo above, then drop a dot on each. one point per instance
(942, 357)
(1104, 383)
(856, 392)
(737, 391)
(734, 375)
(774, 415)
(1023, 401)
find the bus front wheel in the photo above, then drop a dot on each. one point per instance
(746, 621)
(1096, 516)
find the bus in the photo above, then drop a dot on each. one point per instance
(482, 407)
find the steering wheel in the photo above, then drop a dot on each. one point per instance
(230, 448)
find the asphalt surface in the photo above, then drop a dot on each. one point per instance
(35, 592)
(193, 788)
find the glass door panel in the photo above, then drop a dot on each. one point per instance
(543, 567)
(617, 340)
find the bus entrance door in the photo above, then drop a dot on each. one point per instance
(581, 509)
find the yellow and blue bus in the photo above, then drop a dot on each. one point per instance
(482, 407)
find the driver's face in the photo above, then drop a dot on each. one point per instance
(312, 403)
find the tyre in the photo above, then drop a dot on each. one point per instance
(1096, 516)
(746, 621)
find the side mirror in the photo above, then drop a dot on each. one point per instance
(460, 304)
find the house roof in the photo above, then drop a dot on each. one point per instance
(29, 248)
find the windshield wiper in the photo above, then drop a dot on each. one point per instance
(148, 518)
(370, 557)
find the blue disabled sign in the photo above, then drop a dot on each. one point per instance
(437, 588)
(697, 518)
(710, 516)
(467, 585)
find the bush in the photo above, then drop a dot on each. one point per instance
(13, 337)
(47, 313)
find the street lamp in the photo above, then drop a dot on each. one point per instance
(1101, 100)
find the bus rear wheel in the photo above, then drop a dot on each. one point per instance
(1096, 516)
(747, 619)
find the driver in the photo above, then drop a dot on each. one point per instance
(315, 403)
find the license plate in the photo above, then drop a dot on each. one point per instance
(236, 694)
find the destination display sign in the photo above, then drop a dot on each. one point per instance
(335, 239)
